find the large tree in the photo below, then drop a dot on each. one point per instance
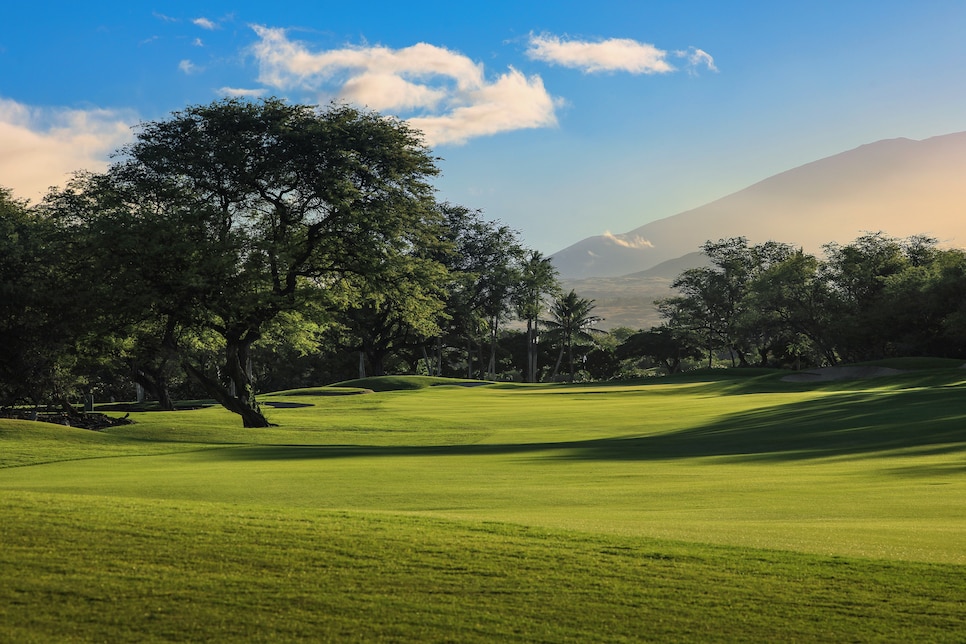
(403, 310)
(483, 261)
(25, 361)
(277, 202)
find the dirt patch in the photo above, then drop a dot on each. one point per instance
(827, 374)
(86, 420)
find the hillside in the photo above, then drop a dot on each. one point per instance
(899, 186)
(629, 300)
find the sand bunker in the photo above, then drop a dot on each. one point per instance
(826, 374)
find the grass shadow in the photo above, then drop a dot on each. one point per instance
(846, 424)
(859, 424)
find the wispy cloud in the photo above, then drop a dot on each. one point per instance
(205, 23)
(614, 54)
(696, 58)
(42, 147)
(189, 67)
(635, 241)
(443, 93)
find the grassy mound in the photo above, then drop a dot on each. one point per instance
(405, 383)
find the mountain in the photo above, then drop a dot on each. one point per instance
(629, 300)
(673, 267)
(899, 186)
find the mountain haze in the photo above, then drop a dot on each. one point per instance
(899, 186)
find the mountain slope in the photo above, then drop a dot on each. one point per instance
(899, 186)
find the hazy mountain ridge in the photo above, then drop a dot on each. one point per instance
(900, 186)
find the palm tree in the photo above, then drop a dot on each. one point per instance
(538, 278)
(573, 321)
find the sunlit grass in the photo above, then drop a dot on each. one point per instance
(114, 569)
(827, 482)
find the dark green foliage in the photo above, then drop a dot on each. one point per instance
(876, 297)
(571, 323)
(538, 279)
(240, 246)
(228, 215)
(663, 344)
(484, 265)
(43, 307)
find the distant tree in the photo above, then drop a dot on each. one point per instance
(717, 302)
(402, 311)
(747, 329)
(662, 344)
(537, 281)
(858, 274)
(482, 259)
(795, 297)
(701, 309)
(572, 321)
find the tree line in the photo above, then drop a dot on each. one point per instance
(240, 246)
(772, 305)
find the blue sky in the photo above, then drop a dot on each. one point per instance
(562, 119)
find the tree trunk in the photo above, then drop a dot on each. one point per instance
(494, 332)
(556, 367)
(69, 408)
(242, 401)
(570, 357)
(439, 356)
(531, 352)
(763, 357)
(155, 384)
(377, 360)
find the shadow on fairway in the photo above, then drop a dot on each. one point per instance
(846, 424)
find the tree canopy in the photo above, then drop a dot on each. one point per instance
(244, 244)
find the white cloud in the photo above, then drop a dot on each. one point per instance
(512, 102)
(696, 58)
(41, 147)
(198, 42)
(636, 241)
(189, 67)
(614, 54)
(240, 92)
(443, 93)
(204, 23)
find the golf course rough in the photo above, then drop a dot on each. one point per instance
(704, 508)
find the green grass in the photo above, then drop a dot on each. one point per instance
(123, 570)
(711, 506)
